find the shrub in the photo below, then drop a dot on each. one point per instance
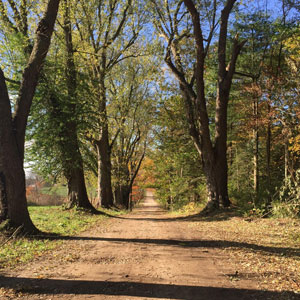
(288, 202)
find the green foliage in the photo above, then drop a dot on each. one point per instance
(266, 76)
(131, 114)
(288, 202)
(134, 78)
(54, 111)
(178, 176)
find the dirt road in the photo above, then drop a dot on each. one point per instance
(143, 255)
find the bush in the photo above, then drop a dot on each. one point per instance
(288, 202)
(35, 198)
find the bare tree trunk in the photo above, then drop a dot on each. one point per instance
(13, 200)
(12, 129)
(121, 197)
(214, 157)
(118, 196)
(221, 142)
(237, 170)
(268, 152)
(256, 152)
(3, 197)
(212, 189)
(13, 191)
(71, 159)
(126, 196)
(77, 193)
(126, 179)
(105, 193)
(286, 156)
(213, 153)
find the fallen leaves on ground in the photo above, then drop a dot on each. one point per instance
(263, 249)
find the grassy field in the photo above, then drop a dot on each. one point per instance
(58, 190)
(52, 219)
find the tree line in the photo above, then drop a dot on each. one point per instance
(261, 144)
(199, 86)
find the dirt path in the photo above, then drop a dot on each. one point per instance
(144, 255)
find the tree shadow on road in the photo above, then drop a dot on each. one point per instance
(221, 244)
(161, 215)
(32, 286)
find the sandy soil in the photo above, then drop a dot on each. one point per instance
(143, 255)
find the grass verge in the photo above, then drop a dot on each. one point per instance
(52, 219)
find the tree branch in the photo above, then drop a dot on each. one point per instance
(6, 19)
(17, 16)
(121, 24)
(243, 74)
(32, 71)
(13, 81)
(237, 47)
(223, 38)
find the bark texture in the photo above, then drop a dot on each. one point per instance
(105, 194)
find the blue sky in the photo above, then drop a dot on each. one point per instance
(272, 7)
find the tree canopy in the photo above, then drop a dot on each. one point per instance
(208, 91)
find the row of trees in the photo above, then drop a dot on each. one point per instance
(87, 113)
(96, 106)
(263, 117)
(14, 118)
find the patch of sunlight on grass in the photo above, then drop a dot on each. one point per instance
(51, 219)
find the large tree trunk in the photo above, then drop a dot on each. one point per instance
(12, 176)
(214, 157)
(222, 179)
(3, 198)
(77, 193)
(126, 179)
(105, 194)
(73, 169)
(12, 130)
(221, 143)
(212, 187)
(215, 171)
(71, 159)
(123, 179)
(126, 196)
